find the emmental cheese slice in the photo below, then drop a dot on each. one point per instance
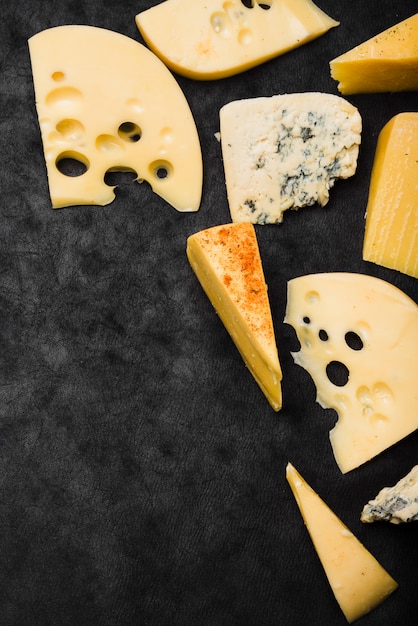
(217, 38)
(285, 152)
(358, 340)
(106, 103)
(391, 234)
(227, 263)
(357, 579)
(387, 62)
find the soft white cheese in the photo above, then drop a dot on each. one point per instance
(286, 152)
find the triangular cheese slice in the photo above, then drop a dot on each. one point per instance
(357, 579)
(106, 103)
(386, 62)
(358, 336)
(214, 39)
(226, 260)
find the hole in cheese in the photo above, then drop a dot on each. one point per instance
(221, 23)
(64, 96)
(70, 129)
(161, 169)
(58, 76)
(116, 177)
(108, 143)
(337, 373)
(353, 340)
(245, 36)
(129, 131)
(72, 164)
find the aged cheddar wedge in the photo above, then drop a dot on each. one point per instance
(386, 62)
(391, 234)
(358, 336)
(214, 39)
(226, 261)
(105, 103)
(397, 504)
(357, 579)
(286, 152)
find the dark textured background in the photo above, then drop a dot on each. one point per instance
(141, 469)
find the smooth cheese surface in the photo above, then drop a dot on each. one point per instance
(227, 263)
(386, 62)
(391, 233)
(107, 103)
(285, 152)
(215, 39)
(358, 340)
(357, 579)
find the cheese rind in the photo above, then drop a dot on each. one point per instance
(286, 152)
(358, 336)
(357, 579)
(107, 103)
(397, 504)
(214, 39)
(391, 232)
(227, 263)
(387, 62)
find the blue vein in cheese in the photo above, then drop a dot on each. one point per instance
(395, 504)
(286, 152)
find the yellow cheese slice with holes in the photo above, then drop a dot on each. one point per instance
(386, 62)
(227, 263)
(391, 234)
(106, 103)
(357, 579)
(216, 38)
(358, 341)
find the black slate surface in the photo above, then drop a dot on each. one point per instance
(142, 471)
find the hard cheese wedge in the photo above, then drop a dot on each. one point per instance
(391, 235)
(214, 39)
(106, 103)
(227, 262)
(386, 62)
(358, 336)
(357, 579)
(286, 152)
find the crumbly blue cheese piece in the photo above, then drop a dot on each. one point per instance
(286, 152)
(395, 504)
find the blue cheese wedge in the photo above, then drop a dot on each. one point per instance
(395, 504)
(286, 152)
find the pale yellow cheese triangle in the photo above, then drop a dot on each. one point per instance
(386, 62)
(214, 39)
(107, 103)
(227, 262)
(357, 579)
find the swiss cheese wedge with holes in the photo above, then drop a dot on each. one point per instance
(213, 39)
(357, 579)
(106, 103)
(227, 263)
(358, 340)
